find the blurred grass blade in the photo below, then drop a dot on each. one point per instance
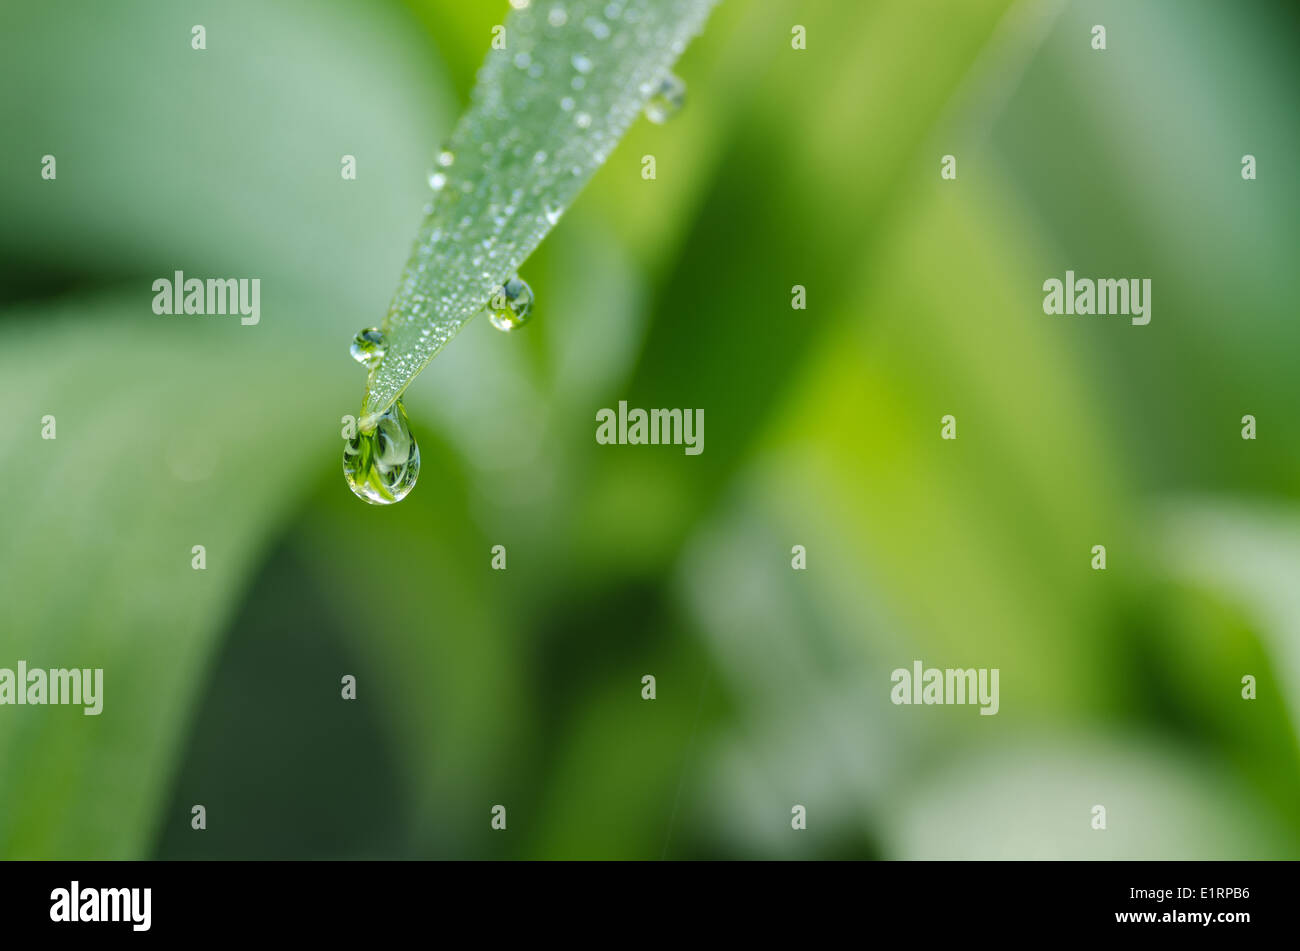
(137, 476)
(549, 107)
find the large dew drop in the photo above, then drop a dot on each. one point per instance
(666, 100)
(368, 348)
(511, 306)
(381, 466)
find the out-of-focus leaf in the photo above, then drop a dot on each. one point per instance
(174, 431)
(924, 551)
(231, 165)
(1153, 157)
(1249, 553)
(144, 467)
(1034, 800)
(827, 167)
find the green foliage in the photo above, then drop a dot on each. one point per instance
(560, 87)
(476, 687)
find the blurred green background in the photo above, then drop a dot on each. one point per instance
(477, 687)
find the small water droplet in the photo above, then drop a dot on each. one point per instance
(557, 17)
(581, 63)
(446, 158)
(381, 466)
(553, 213)
(511, 306)
(368, 347)
(667, 99)
(437, 181)
(582, 119)
(567, 103)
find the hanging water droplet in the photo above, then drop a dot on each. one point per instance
(667, 99)
(446, 158)
(381, 466)
(368, 347)
(511, 306)
(437, 181)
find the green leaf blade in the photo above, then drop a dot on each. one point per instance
(547, 111)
